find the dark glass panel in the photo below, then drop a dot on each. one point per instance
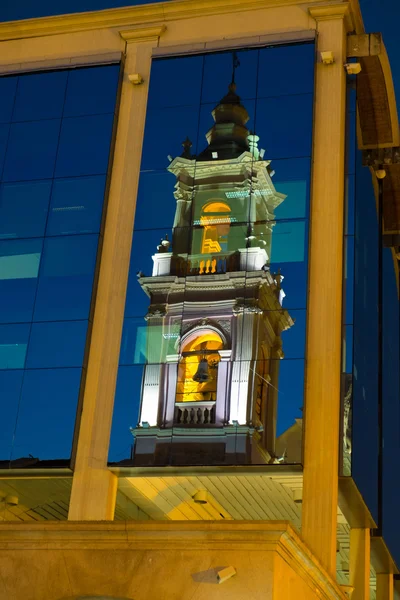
(218, 74)
(40, 96)
(66, 278)
(23, 209)
(277, 61)
(13, 343)
(166, 129)
(126, 412)
(165, 72)
(349, 279)
(290, 404)
(19, 268)
(347, 349)
(8, 85)
(31, 150)
(284, 125)
(76, 205)
(91, 91)
(365, 428)
(156, 204)
(350, 201)
(351, 142)
(84, 146)
(10, 386)
(60, 344)
(46, 417)
(4, 131)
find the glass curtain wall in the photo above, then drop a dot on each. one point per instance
(55, 140)
(212, 353)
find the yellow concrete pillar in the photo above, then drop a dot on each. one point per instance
(94, 487)
(323, 354)
(360, 563)
(384, 586)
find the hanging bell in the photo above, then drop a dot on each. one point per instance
(202, 375)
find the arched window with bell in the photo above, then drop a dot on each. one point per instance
(197, 383)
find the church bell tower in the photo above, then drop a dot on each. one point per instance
(214, 324)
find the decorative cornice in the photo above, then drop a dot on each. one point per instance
(142, 34)
(330, 12)
(125, 17)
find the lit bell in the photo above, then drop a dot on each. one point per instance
(202, 375)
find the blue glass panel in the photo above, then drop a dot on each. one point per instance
(156, 192)
(10, 386)
(60, 344)
(84, 146)
(126, 412)
(8, 85)
(291, 396)
(284, 124)
(276, 61)
(19, 268)
(347, 349)
(144, 342)
(40, 96)
(165, 71)
(66, 278)
(349, 203)
(351, 142)
(91, 91)
(4, 131)
(23, 209)
(13, 343)
(47, 414)
(292, 178)
(176, 124)
(31, 150)
(349, 279)
(76, 205)
(218, 75)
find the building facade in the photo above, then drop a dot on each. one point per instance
(199, 317)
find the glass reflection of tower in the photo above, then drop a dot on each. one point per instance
(209, 392)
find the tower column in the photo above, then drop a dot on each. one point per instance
(94, 487)
(323, 353)
(384, 586)
(359, 563)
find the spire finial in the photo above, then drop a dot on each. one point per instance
(187, 144)
(235, 65)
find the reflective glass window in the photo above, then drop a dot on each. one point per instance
(276, 60)
(214, 85)
(66, 278)
(91, 91)
(59, 344)
(23, 208)
(8, 85)
(19, 268)
(76, 205)
(40, 96)
(126, 412)
(4, 132)
(10, 386)
(84, 146)
(31, 150)
(13, 344)
(46, 417)
(165, 71)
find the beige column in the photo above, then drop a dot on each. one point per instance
(360, 563)
(94, 487)
(323, 354)
(384, 586)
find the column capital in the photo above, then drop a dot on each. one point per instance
(331, 12)
(142, 34)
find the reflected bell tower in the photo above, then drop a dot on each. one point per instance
(214, 324)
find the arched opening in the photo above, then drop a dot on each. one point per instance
(198, 368)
